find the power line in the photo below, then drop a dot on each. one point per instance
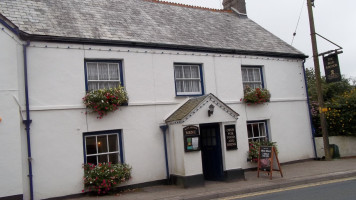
(300, 14)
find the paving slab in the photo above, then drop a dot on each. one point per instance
(303, 172)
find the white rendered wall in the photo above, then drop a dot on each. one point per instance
(57, 85)
(10, 125)
(346, 145)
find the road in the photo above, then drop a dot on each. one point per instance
(340, 189)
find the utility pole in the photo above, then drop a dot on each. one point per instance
(318, 81)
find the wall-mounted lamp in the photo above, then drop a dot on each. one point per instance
(211, 110)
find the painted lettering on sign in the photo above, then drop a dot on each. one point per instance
(230, 137)
(191, 138)
(332, 68)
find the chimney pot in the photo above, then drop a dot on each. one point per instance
(239, 5)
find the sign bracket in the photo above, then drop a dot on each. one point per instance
(336, 51)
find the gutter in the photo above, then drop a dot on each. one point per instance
(59, 39)
(310, 115)
(28, 120)
(164, 129)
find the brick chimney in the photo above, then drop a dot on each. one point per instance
(236, 5)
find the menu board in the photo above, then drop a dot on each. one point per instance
(265, 158)
(230, 137)
(191, 138)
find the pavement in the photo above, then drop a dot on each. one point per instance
(298, 173)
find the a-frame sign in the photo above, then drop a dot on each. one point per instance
(268, 161)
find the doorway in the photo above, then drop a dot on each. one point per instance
(211, 152)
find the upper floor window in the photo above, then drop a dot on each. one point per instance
(188, 79)
(257, 131)
(252, 77)
(102, 147)
(103, 74)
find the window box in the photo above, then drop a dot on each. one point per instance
(256, 96)
(103, 101)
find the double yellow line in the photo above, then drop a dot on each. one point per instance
(288, 188)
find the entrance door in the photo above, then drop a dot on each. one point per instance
(211, 151)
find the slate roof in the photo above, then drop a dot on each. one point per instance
(189, 107)
(142, 22)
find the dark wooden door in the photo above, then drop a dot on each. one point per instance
(211, 151)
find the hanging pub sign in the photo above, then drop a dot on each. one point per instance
(191, 138)
(332, 68)
(268, 161)
(230, 137)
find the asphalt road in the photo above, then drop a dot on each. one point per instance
(340, 189)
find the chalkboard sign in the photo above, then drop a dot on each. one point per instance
(230, 137)
(191, 138)
(332, 68)
(266, 159)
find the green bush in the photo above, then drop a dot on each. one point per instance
(103, 177)
(341, 114)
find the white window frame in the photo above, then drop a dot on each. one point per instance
(200, 79)
(97, 154)
(253, 82)
(98, 81)
(260, 136)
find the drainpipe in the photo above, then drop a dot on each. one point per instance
(310, 115)
(28, 120)
(164, 129)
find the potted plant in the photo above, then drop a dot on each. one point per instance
(256, 96)
(101, 178)
(105, 100)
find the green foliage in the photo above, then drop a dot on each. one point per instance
(330, 90)
(338, 97)
(103, 177)
(103, 101)
(256, 96)
(341, 114)
(254, 147)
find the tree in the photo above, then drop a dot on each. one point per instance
(340, 100)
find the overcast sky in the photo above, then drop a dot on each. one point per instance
(334, 19)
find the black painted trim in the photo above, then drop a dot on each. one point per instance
(234, 174)
(13, 197)
(188, 181)
(47, 38)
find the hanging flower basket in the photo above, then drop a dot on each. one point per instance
(103, 101)
(256, 96)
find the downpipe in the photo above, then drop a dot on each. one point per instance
(310, 115)
(28, 120)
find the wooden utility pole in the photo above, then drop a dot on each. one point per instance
(323, 124)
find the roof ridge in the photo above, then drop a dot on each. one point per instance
(188, 6)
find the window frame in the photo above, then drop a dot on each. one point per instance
(265, 122)
(101, 133)
(200, 67)
(253, 67)
(119, 62)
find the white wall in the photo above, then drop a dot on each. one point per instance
(10, 132)
(57, 85)
(346, 144)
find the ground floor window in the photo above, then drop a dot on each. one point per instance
(103, 146)
(257, 131)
